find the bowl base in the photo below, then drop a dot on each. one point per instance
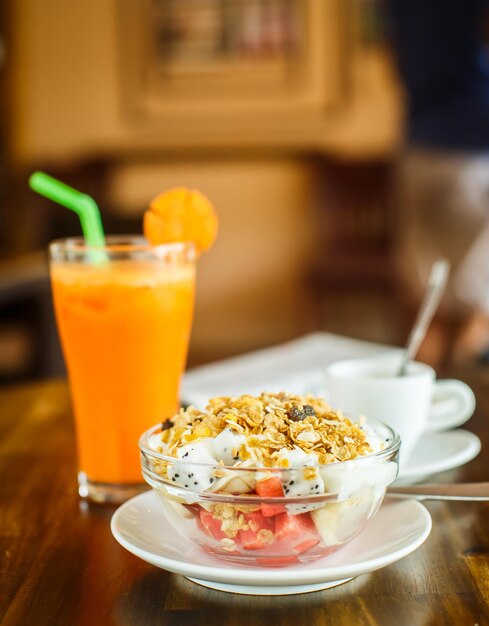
(273, 560)
(263, 590)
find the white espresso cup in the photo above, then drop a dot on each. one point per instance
(412, 404)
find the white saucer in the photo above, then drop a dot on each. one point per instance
(141, 527)
(437, 452)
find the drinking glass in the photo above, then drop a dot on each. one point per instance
(124, 314)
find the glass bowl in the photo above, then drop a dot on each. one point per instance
(271, 516)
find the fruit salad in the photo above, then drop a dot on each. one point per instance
(273, 479)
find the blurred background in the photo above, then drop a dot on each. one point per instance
(288, 114)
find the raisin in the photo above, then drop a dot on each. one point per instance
(166, 425)
(296, 415)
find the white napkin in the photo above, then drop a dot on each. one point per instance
(296, 367)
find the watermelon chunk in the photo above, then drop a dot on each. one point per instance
(270, 488)
(269, 510)
(294, 526)
(304, 546)
(250, 539)
(210, 525)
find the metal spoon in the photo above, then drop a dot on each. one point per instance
(470, 492)
(436, 285)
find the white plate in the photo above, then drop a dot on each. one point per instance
(141, 527)
(437, 452)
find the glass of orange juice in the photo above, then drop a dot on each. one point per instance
(124, 314)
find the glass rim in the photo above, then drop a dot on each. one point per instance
(119, 243)
(388, 451)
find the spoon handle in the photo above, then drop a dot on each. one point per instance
(473, 492)
(436, 285)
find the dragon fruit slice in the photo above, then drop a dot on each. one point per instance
(340, 522)
(206, 444)
(294, 482)
(327, 520)
(224, 444)
(195, 477)
(347, 480)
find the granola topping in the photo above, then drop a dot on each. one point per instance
(267, 425)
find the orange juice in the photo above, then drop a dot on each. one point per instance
(125, 324)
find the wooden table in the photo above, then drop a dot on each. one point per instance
(60, 565)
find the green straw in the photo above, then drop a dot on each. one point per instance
(83, 205)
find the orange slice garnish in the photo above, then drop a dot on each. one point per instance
(181, 215)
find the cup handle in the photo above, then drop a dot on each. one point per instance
(452, 404)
